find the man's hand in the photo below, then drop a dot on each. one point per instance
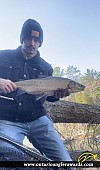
(60, 93)
(7, 86)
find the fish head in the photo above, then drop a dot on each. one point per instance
(76, 87)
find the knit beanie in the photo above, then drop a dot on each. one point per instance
(27, 27)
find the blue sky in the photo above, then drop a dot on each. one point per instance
(71, 29)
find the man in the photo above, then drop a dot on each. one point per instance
(25, 115)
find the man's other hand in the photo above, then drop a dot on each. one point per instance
(60, 93)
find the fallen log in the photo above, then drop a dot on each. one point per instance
(68, 112)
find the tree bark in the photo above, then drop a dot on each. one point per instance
(69, 112)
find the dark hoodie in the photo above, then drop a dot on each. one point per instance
(14, 66)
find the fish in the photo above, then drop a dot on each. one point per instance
(49, 85)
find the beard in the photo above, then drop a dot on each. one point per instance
(29, 51)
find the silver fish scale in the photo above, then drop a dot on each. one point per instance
(48, 85)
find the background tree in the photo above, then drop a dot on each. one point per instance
(58, 72)
(91, 79)
(73, 73)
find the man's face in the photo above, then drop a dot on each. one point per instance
(31, 44)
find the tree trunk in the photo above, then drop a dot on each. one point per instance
(69, 112)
